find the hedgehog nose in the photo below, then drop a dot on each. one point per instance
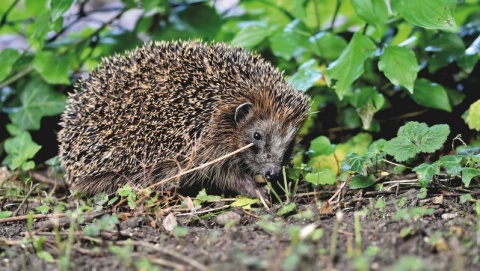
(271, 174)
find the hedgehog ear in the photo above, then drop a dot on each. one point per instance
(242, 112)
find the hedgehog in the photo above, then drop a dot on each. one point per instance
(167, 107)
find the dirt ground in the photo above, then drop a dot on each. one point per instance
(404, 233)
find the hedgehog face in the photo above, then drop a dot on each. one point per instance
(272, 140)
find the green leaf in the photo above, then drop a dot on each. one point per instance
(38, 100)
(251, 36)
(374, 12)
(245, 203)
(327, 45)
(125, 190)
(356, 163)
(414, 138)
(46, 256)
(361, 181)
(349, 66)
(307, 74)
(58, 7)
(291, 41)
(320, 146)
(473, 116)
(399, 65)
(425, 173)
(20, 149)
(201, 20)
(430, 14)
(466, 197)
(287, 208)
(5, 214)
(452, 164)
(8, 57)
(41, 26)
(204, 197)
(52, 68)
(323, 177)
(431, 95)
(468, 174)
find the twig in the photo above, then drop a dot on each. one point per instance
(39, 177)
(338, 192)
(25, 217)
(190, 261)
(25, 199)
(197, 168)
(204, 211)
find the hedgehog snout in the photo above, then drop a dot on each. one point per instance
(272, 173)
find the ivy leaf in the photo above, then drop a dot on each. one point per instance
(374, 12)
(20, 149)
(323, 177)
(425, 173)
(308, 73)
(356, 163)
(38, 100)
(349, 66)
(473, 116)
(430, 14)
(41, 26)
(452, 164)
(5, 214)
(414, 138)
(52, 68)
(468, 174)
(251, 36)
(431, 95)
(400, 66)
(58, 7)
(8, 57)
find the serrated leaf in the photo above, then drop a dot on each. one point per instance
(468, 174)
(374, 12)
(306, 76)
(327, 45)
(452, 164)
(361, 181)
(58, 7)
(323, 177)
(399, 65)
(38, 100)
(430, 14)
(473, 117)
(349, 66)
(320, 146)
(20, 149)
(425, 173)
(414, 138)
(52, 68)
(250, 36)
(8, 57)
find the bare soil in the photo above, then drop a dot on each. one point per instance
(445, 239)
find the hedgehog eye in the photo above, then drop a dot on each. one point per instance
(257, 136)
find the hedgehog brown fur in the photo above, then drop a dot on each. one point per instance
(170, 106)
